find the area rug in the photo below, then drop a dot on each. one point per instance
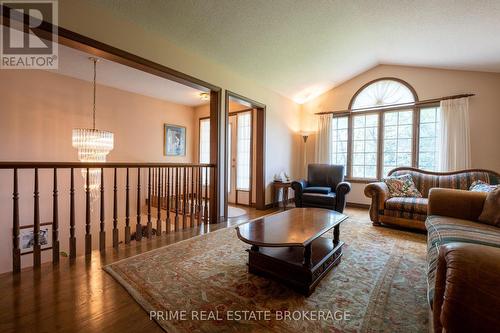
(202, 285)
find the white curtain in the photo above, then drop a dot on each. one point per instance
(324, 138)
(455, 135)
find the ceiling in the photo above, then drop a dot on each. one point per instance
(76, 64)
(301, 48)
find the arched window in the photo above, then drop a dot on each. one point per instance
(376, 136)
(383, 92)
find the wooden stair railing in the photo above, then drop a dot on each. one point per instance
(180, 190)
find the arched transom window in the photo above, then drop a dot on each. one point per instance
(381, 132)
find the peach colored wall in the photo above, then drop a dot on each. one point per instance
(39, 109)
(428, 83)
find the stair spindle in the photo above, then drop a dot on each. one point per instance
(167, 204)
(88, 235)
(16, 251)
(158, 204)
(150, 226)
(55, 221)
(176, 199)
(72, 238)
(37, 259)
(115, 210)
(127, 208)
(102, 232)
(184, 197)
(205, 211)
(138, 227)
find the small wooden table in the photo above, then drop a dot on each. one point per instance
(287, 246)
(278, 187)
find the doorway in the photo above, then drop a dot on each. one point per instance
(240, 156)
(245, 151)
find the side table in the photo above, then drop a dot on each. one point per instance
(281, 187)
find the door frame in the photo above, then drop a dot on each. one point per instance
(260, 139)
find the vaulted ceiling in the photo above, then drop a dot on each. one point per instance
(300, 48)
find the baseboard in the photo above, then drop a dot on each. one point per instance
(348, 204)
(357, 205)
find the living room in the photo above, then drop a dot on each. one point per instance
(371, 197)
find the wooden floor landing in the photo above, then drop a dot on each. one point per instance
(81, 297)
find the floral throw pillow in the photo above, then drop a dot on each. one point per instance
(402, 186)
(480, 186)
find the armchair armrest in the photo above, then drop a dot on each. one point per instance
(340, 195)
(298, 186)
(460, 204)
(379, 193)
(467, 296)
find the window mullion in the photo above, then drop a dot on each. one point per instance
(349, 146)
(416, 137)
(380, 144)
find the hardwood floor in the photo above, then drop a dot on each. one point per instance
(81, 297)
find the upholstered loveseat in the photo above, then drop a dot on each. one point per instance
(412, 212)
(463, 266)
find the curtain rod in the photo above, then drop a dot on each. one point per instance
(400, 105)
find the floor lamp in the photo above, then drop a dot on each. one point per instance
(305, 135)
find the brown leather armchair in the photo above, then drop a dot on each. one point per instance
(324, 188)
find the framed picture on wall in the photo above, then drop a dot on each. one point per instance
(174, 140)
(27, 237)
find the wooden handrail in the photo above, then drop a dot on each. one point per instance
(106, 165)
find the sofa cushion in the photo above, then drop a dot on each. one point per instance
(413, 205)
(317, 189)
(443, 230)
(480, 186)
(402, 186)
(491, 209)
(319, 199)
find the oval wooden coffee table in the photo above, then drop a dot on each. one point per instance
(288, 246)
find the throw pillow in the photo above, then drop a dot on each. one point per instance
(402, 186)
(480, 186)
(491, 208)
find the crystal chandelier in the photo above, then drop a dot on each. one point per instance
(93, 146)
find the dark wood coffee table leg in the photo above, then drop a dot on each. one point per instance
(308, 256)
(336, 234)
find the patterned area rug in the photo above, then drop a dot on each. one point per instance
(379, 286)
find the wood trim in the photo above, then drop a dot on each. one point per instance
(394, 107)
(83, 165)
(80, 42)
(435, 173)
(357, 205)
(251, 158)
(260, 185)
(215, 158)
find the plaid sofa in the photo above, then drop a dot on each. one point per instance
(462, 263)
(412, 212)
